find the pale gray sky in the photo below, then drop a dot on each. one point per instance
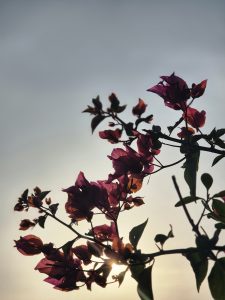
(55, 56)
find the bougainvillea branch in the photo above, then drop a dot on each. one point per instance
(88, 258)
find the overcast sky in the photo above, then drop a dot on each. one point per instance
(55, 56)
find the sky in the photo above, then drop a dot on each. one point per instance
(55, 56)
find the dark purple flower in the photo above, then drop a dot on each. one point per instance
(195, 118)
(112, 136)
(83, 197)
(29, 245)
(173, 90)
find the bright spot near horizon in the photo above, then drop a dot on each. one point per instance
(117, 269)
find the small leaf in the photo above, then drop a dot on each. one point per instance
(97, 103)
(217, 159)
(23, 197)
(120, 277)
(216, 279)
(220, 132)
(136, 270)
(53, 208)
(96, 121)
(41, 221)
(220, 226)
(187, 200)
(219, 207)
(190, 172)
(199, 265)
(220, 143)
(67, 246)
(136, 233)
(95, 249)
(144, 287)
(43, 195)
(161, 238)
(220, 194)
(121, 108)
(207, 180)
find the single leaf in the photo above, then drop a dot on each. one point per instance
(136, 270)
(95, 249)
(96, 121)
(216, 279)
(220, 194)
(144, 287)
(41, 221)
(217, 159)
(23, 197)
(220, 226)
(187, 200)
(53, 208)
(120, 277)
(67, 246)
(219, 207)
(43, 195)
(220, 143)
(199, 265)
(161, 238)
(97, 103)
(216, 217)
(190, 172)
(220, 132)
(207, 180)
(120, 109)
(136, 233)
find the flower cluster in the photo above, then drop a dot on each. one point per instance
(89, 257)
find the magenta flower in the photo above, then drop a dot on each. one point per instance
(112, 136)
(83, 197)
(125, 162)
(104, 232)
(63, 272)
(173, 90)
(198, 89)
(29, 245)
(195, 118)
(26, 224)
(140, 108)
(82, 252)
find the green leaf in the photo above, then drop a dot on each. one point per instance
(220, 132)
(120, 109)
(161, 238)
(199, 265)
(207, 180)
(136, 270)
(220, 226)
(190, 172)
(43, 195)
(67, 246)
(220, 143)
(53, 208)
(216, 279)
(187, 200)
(144, 287)
(96, 121)
(95, 249)
(121, 276)
(219, 207)
(220, 194)
(41, 221)
(97, 103)
(136, 233)
(23, 197)
(217, 159)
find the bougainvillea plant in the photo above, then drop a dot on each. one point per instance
(87, 259)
